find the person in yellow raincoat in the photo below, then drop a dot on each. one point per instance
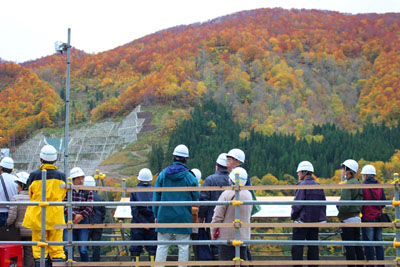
(54, 214)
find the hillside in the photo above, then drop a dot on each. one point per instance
(281, 70)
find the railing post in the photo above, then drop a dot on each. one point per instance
(69, 222)
(43, 221)
(237, 220)
(397, 214)
(124, 187)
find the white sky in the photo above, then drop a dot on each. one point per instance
(29, 28)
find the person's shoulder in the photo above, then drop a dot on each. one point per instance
(227, 194)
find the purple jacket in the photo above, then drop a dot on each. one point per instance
(309, 213)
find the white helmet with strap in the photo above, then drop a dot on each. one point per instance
(351, 164)
(237, 154)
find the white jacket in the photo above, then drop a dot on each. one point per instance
(9, 181)
(226, 214)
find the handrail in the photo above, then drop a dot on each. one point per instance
(236, 202)
(222, 188)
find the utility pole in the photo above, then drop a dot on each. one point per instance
(61, 48)
(66, 138)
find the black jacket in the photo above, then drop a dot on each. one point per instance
(99, 212)
(217, 179)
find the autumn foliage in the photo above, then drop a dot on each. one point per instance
(282, 70)
(27, 104)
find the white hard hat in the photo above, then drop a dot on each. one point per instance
(242, 175)
(76, 172)
(7, 163)
(48, 153)
(181, 151)
(221, 160)
(22, 177)
(197, 173)
(368, 169)
(145, 175)
(351, 164)
(305, 166)
(89, 181)
(236, 153)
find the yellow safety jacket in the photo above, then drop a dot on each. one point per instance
(54, 214)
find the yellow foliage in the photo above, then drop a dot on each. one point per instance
(106, 81)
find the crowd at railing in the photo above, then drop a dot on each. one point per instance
(217, 213)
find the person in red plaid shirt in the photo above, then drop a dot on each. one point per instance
(80, 214)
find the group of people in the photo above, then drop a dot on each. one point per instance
(347, 213)
(28, 187)
(228, 171)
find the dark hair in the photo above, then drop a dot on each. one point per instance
(6, 170)
(47, 162)
(22, 185)
(222, 168)
(179, 159)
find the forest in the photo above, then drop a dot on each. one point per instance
(280, 71)
(211, 130)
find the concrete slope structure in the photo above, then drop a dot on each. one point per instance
(88, 146)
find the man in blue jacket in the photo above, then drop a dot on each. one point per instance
(143, 214)
(303, 213)
(175, 175)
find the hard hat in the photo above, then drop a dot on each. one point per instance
(305, 166)
(197, 173)
(351, 164)
(181, 151)
(76, 172)
(22, 177)
(89, 181)
(145, 175)
(221, 160)
(236, 153)
(48, 153)
(368, 169)
(7, 163)
(242, 175)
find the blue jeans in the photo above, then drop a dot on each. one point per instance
(79, 235)
(373, 234)
(3, 218)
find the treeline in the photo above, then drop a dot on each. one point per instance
(212, 130)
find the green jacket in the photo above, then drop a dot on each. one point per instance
(347, 211)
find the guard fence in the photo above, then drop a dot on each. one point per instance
(237, 225)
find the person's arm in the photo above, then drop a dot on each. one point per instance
(157, 195)
(345, 195)
(296, 209)
(219, 213)
(12, 213)
(204, 196)
(89, 209)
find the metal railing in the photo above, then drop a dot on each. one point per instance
(237, 224)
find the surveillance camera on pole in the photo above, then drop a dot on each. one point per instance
(61, 47)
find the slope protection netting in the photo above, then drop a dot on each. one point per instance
(88, 146)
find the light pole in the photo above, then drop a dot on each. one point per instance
(61, 48)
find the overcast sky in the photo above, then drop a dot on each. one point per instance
(29, 28)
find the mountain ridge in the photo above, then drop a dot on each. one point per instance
(282, 70)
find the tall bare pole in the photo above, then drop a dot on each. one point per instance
(66, 140)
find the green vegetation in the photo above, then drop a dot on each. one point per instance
(212, 130)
